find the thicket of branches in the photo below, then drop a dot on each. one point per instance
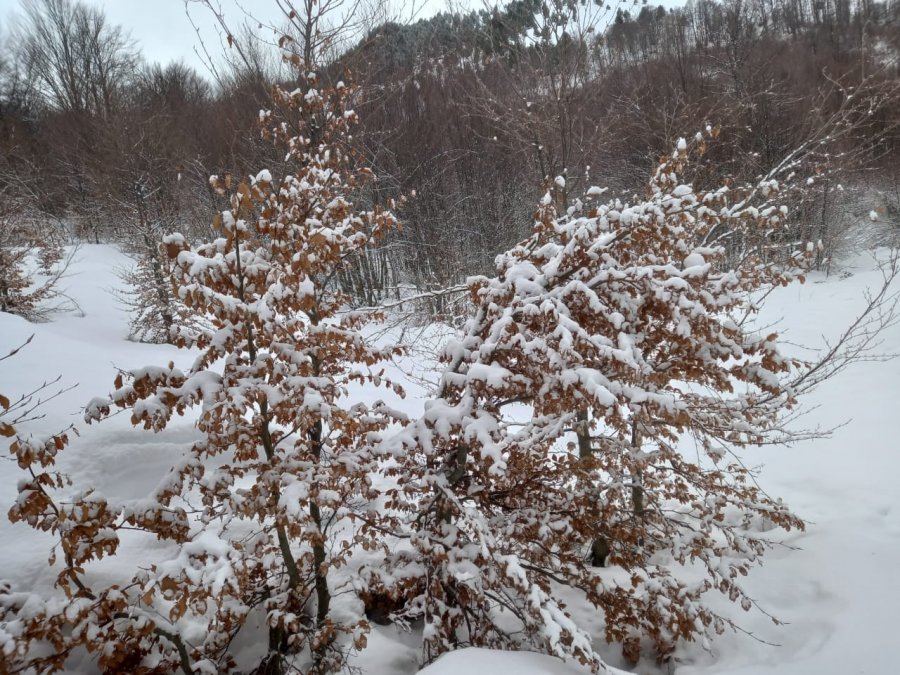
(536, 90)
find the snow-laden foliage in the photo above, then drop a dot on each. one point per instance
(284, 467)
(590, 416)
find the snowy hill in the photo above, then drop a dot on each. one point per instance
(834, 585)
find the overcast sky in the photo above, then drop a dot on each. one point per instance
(163, 31)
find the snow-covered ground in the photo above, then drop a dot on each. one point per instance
(837, 588)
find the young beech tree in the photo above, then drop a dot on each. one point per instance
(277, 410)
(281, 480)
(608, 340)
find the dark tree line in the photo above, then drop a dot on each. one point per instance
(468, 115)
(471, 111)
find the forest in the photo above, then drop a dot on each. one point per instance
(386, 341)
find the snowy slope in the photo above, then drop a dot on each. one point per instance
(837, 589)
(839, 592)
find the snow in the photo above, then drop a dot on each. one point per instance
(474, 661)
(838, 591)
(695, 259)
(835, 586)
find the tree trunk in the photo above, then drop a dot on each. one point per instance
(600, 545)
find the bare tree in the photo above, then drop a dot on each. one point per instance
(75, 59)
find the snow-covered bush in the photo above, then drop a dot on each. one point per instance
(157, 314)
(607, 344)
(283, 471)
